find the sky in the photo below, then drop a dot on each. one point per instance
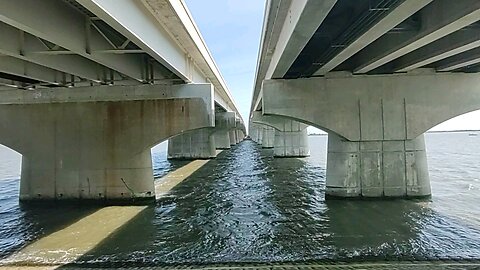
(232, 30)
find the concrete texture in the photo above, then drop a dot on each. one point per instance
(233, 137)
(222, 139)
(224, 122)
(376, 146)
(369, 108)
(290, 138)
(377, 168)
(95, 150)
(194, 144)
(268, 137)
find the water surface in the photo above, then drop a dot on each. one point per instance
(247, 206)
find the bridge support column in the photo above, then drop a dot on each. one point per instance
(268, 137)
(239, 136)
(233, 137)
(222, 139)
(394, 168)
(376, 124)
(291, 144)
(195, 144)
(86, 147)
(260, 135)
(224, 122)
(290, 136)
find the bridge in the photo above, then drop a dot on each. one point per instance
(87, 87)
(375, 75)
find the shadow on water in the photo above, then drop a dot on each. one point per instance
(34, 221)
(246, 206)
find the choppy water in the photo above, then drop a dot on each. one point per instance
(247, 206)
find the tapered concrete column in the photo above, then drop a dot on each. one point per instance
(86, 147)
(260, 135)
(222, 139)
(268, 137)
(239, 136)
(196, 144)
(253, 132)
(393, 168)
(224, 122)
(233, 137)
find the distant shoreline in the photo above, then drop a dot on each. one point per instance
(440, 131)
(454, 131)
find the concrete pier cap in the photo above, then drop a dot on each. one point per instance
(93, 143)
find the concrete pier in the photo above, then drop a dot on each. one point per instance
(195, 144)
(268, 137)
(233, 137)
(393, 168)
(224, 123)
(290, 137)
(85, 146)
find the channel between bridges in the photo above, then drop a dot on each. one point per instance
(375, 75)
(87, 87)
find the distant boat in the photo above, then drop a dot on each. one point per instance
(472, 134)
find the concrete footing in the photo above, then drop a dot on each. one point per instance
(196, 144)
(377, 168)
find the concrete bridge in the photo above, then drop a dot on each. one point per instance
(87, 87)
(375, 75)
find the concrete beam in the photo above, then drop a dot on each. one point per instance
(111, 93)
(130, 18)
(304, 18)
(68, 28)
(395, 17)
(286, 31)
(453, 44)
(434, 27)
(455, 62)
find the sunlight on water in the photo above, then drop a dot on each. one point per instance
(70, 243)
(247, 206)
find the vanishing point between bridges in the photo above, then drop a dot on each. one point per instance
(123, 146)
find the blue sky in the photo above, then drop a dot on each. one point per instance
(232, 29)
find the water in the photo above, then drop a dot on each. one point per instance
(247, 206)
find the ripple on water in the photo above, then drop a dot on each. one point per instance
(247, 206)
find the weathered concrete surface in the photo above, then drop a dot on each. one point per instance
(233, 137)
(222, 139)
(290, 137)
(371, 123)
(194, 144)
(268, 137)
(369, 108)
(224, 122)
(377, 168)
(95, 150)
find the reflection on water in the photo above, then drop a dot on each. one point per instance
(247, 206)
